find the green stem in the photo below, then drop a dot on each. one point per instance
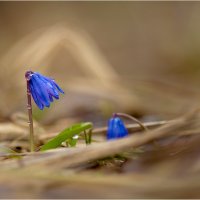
(90, 136)
(86, 138)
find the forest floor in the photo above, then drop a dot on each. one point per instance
(162, 162)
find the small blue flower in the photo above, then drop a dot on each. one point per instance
(43, 89)
(116, 128)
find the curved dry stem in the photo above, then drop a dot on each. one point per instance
(132, 118)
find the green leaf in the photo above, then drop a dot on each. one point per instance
(66, 134)
(72, 142)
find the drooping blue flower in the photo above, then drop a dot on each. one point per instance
(116, 128)
(43, 89)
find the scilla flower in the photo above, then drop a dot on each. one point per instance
(43, 89)
(116, 128)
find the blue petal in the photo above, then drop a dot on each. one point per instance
(40, 89)
(43, 89)
(50, 98)
(116, 129)
(122, 131)
(51, 85)
(36, 98)
(58, 88)
(110, 133)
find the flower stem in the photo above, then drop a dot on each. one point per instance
(90, 136)
(132, 118)
(86, 138)
(155, 143)
(30, 117)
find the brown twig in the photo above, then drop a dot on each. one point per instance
(66, 157)
(132, 128)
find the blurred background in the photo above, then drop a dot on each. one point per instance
(142, 58)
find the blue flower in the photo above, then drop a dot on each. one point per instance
(116, 128)
(43, 89)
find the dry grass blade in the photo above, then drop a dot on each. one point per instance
(102, 131)
(70, 157)
(43, 181)
(134, 127)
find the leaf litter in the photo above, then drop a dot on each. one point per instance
(131, 167)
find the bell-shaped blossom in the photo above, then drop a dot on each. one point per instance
(43, 89)
(116, 128)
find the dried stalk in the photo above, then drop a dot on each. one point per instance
(70, 157)
(30, 117)
(132, 128)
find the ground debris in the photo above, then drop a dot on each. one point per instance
(132, 166)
